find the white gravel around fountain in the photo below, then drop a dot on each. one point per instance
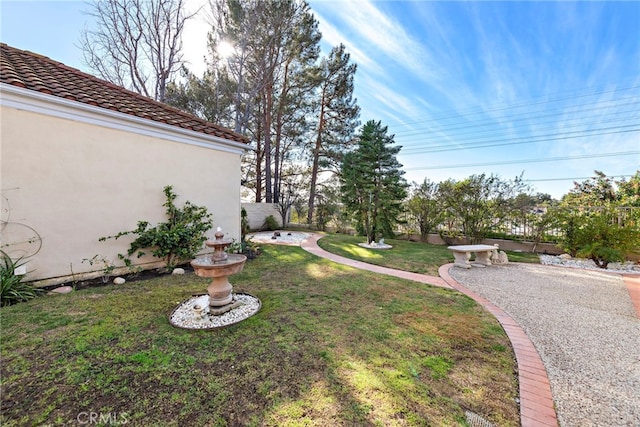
(285, 237)
(184, 316)
(375, 245)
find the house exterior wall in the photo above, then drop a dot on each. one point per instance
(74, 181)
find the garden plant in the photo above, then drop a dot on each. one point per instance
(175, 241)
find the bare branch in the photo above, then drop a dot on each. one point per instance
(137, 43)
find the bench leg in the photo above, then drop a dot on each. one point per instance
(483, 258)
(462, 259)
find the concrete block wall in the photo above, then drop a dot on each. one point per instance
(257, 212)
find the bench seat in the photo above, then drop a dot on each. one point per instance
(462, 254)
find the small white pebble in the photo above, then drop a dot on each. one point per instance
(178, 271)
(119, 281)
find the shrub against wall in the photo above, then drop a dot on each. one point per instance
(257, 212)
(270, 223)
(175, 241)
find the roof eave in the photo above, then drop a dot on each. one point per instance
(30, 100)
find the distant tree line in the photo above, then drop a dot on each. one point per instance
(598, 219)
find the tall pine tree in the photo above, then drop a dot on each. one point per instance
(372, 184)
(337, 116)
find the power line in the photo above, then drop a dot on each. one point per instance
(540, 160)
(513, 106)
(482, 121)
(570, 179)
(499, 143)
(617, 118)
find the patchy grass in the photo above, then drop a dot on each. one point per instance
(331, 346)
(416, 257)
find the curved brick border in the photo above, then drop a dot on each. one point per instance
(311, 245)
(633, 287)
(536, 402)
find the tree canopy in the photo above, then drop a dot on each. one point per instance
(271, 84)
(137, 44)
(372, 184)
(600, 218)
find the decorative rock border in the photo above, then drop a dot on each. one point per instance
(293, 238)
(185, 315)
(375, 245)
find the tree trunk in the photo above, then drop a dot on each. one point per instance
(267, 144)
(316, 161)
(277, 179)
(258, 164)
(314, 178)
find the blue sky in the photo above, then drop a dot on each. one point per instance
(466, 87)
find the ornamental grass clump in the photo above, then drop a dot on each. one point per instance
(12, 288)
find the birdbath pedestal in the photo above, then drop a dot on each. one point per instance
(219, 267)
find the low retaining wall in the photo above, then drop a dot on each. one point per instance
(506, 245)
(257, 212)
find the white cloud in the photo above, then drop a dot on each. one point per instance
(333, 37)
(380, 33)
(390, 99)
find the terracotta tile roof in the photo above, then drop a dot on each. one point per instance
(39, 73)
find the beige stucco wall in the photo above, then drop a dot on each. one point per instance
(258, 212)
(74, 182)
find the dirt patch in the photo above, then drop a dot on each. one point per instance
(132, 277)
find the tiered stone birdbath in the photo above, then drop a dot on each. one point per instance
(220, 306)
(220, 266)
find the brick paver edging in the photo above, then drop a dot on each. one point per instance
(536, 402)
(311, 245)
(633, 287)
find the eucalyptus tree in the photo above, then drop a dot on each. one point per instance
(372, 184)
(136, 44)
(337, 116)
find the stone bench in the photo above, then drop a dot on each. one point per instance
(462, 254)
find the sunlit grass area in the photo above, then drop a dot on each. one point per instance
(331, 346)
(405, 255)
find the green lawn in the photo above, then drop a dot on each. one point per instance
(405, 255)
(331, 346)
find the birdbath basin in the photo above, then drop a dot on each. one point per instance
(220, 290)
(220, 306)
